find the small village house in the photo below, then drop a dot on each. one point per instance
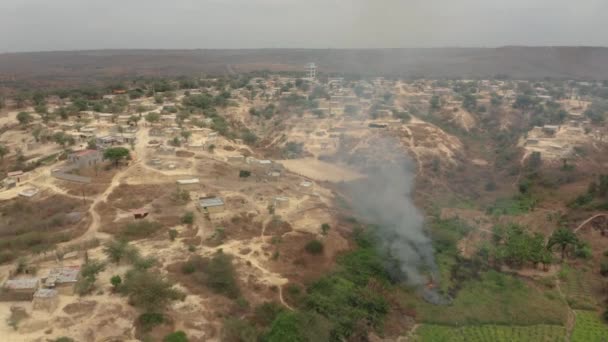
(17, 176)
(188, 184)
(85, 158)
(280, 202)
(63, 279)
(211, 204)
(20, 289)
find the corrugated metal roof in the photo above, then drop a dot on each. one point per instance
(67, 274)
(21, 284)
(188, 181)
(210, 202)
(45, 293)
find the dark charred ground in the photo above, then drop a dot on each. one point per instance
(74, 68)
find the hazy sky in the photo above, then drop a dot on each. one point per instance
(33, 25)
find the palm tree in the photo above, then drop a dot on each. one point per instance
(563, 238)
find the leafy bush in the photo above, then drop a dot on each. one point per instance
(64, 339)
(583, 250)
(266, 313)
(216, 273)
(188, 218)
(116, 281)
(300, 327)
(147, 321)
(148, 290)
(314, 247)
(178, 336)
(237, 330)
(604, 269)
(172, 234)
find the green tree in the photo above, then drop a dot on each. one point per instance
(24, 118)
(299, 327)
(314, 247)
(92, 144)
(172, 234)
(80, 104)
(38, 99)
(116, 250)
(188, 218)
(435, 102)
(148, 290)
(178, 336)
(41, 109)
(563, 238)
(152, 117)
(495, 100)
(249, 137)
(88, 276)
(535, 160)
(116, 154)
(36, 133)
(594, 116)
(325, 228)
(3, 151)
(603, 185)
(469, 102)
(186, 135)
(116, 281)
(239, 330)
(20, 100)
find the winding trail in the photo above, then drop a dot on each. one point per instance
(589, 220)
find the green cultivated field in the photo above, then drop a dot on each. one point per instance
(589, 328)
(578, 286)
(493, 333)
(496, 299)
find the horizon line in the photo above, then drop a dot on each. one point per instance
(307, 48)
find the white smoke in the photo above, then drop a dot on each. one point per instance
(385, 199)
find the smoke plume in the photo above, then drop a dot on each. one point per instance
(384, 199)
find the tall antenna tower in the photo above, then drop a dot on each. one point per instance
(311, 68)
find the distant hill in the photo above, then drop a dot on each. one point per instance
(81, 67)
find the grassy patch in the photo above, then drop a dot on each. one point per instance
(498, 333)
(446, 234)
(337, 304)
(517, 205)
(216, 273)
(36, 225)
(577, 284)
(139, 230)
(495, 299)
(589, 327)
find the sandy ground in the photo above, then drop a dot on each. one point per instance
(320, 170)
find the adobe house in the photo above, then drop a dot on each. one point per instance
(85, 158)
(211, 204)
(188, 184)
(17, 176)
(21, 289)
(280, 202)
(63, 279)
